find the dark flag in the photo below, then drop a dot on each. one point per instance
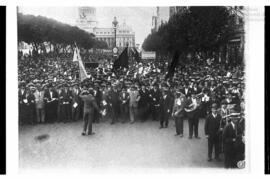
(173, 65)
(122, 60)
(135, 54)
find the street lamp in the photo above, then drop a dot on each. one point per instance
(115, 22)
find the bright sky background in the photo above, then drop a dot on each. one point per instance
(139, 18)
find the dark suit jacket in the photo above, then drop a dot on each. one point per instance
(228, 135)
(166, 104)
(67, 97)
(76, 97)
(124, 100)
(212, 125)
(21, 95)
(98, 97)
(179, 109)
(90, 104)
(155, 97)
(113, 97)
(144, 98)
(48, 96)
(31, 98)
(188, 92)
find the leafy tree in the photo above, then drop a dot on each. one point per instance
(38, 30)
(196, 30)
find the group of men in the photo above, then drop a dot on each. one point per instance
(50, 91)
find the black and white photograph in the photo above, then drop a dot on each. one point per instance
(103, 88)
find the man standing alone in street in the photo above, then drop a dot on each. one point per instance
(88, 112)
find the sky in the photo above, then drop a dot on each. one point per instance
(139, 18)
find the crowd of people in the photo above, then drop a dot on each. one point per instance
(50, 91)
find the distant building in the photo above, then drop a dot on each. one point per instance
(87, 18)
(124, 35)
(235, 47)
(177, 9)
(87, 21)
(160, 17)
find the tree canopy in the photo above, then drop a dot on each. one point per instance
(37, 30)
(198, 29)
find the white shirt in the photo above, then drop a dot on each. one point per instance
(186, 90)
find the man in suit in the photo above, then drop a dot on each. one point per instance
(60, 103)
(66, 97)
(113, 99)
(187, 91)
(229, 138)
(155, 100)
(165, 108)
(124, 101)
(21, 95)
(40, 106)
(193, 120)
(51, 103)
(205, 103)
(90, 106)
(212, 129)
(76, 103)
(143, 102)
(178, 113)
(98, 97)
(133, 103)
(29, 103)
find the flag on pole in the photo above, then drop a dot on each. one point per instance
(122, 60)
(135, 53)
(77, 57)
(173, 65)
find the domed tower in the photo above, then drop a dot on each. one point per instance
(87, 18)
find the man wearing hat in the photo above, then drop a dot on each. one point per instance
(98, 97)
(133, 103)
(124, 101)
(155, 101)
(165, 108)
(192, 115)
(212, 128)
(76, 102)
(90, 106)
(51, 103)
(22, 97)
(178, 112)
(113, 99)
(143, 102)
(66, 99)
(229, 138)
(187, 91)
(40, 106)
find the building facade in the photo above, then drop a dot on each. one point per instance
(87, 18)
(161, 16)
(177, 9)
(87, 21)
(235, 47)
(124, 35)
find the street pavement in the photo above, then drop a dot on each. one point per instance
(141, 145)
